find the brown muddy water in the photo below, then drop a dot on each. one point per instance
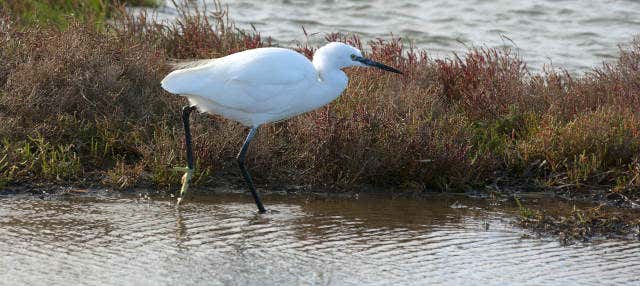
(104, 239)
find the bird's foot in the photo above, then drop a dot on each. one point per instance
(186, 178)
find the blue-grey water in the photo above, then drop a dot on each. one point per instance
(573, 34)
(89, 239)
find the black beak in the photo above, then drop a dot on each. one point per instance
(374, 64)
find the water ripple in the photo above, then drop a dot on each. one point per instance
(543, 30)
(222, 241)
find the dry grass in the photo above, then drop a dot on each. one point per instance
(92, 96)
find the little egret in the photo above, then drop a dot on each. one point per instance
(260, 86)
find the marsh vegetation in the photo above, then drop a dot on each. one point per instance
(80, 103)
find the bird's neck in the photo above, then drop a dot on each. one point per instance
(331, 82)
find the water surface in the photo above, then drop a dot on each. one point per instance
(220, 240)
(573, 34)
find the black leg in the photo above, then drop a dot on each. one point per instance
(245, 173)
(186, 111)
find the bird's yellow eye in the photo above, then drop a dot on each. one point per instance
(353, 57)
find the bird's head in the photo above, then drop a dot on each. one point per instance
(340, 55)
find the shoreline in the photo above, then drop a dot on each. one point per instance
(86, 108)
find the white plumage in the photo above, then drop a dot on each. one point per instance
(263, 85)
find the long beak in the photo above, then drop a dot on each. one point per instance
(375, 64)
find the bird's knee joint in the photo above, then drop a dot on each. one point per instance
(186, 110)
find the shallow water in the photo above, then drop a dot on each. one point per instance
(220, 240)
(573, 34)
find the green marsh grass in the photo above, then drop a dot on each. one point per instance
(61, 13)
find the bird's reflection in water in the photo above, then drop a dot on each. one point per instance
(181, 228)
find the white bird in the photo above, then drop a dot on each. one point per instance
(260, 86)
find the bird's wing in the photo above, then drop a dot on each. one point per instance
(258, 80)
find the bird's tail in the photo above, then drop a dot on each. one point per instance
(185, 76)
